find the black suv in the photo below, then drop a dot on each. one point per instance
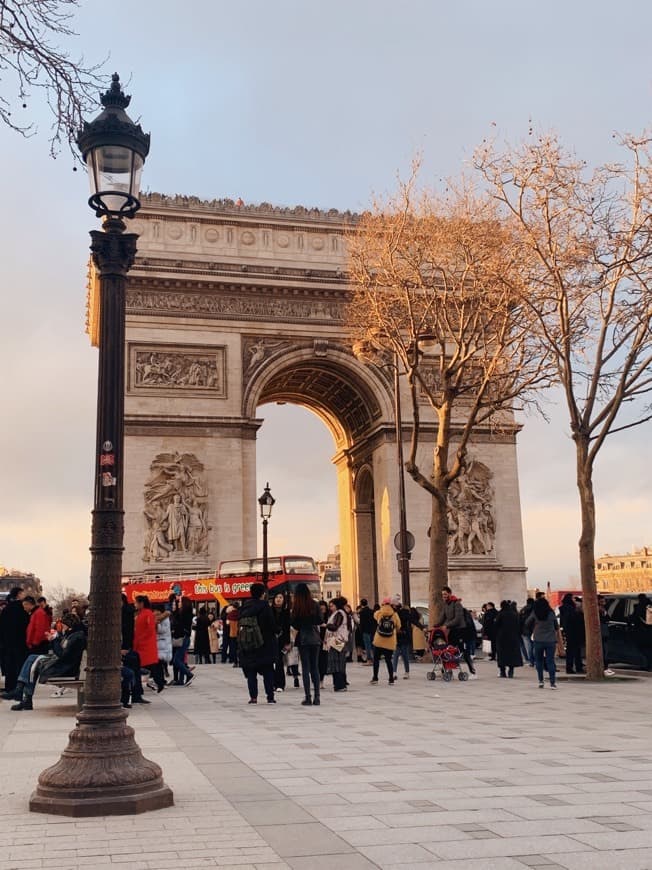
(630, 640)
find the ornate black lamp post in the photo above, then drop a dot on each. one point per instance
(102, 771)
(266, 502)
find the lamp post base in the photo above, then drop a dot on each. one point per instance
(102, 772)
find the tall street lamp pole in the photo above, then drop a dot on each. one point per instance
(102, 770)
(266, 502)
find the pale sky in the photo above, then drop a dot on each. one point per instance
(312, 103)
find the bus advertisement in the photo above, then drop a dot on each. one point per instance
(231, 582)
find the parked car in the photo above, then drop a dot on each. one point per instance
(630, 641)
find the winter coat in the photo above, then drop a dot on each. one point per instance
(489, 623)
(145, 637)
(387, 642)
(453, 614)
(13, 627)
(337, 629)
(367, 621)
(404, 635)
(214, 636)
(69, 650)
(508, 639)
(164, 638)
(39, 624)
(572, 621)
(307, 628)
(202, 643)
(266, 655)
(127, 625)
(282, 625)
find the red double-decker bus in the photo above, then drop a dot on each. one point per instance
(231, 582)
(284, 574)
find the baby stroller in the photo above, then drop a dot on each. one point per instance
(446, 657)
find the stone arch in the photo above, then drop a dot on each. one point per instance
(347, 396)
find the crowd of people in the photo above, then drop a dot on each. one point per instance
(286, 638)
(36, 648)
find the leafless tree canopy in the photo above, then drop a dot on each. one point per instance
(32, 59)
(437, 283)
(587, 253)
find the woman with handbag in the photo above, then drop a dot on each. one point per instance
(306, 620)
(337, 635)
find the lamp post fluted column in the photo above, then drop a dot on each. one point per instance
(102, 770)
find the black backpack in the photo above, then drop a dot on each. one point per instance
(386, 626)
(250, 637)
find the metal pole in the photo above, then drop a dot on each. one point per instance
(404, 562)
(265, 563)
(102, 771)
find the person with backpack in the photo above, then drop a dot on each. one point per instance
(403, 638)
(257, 643)
(455, 620)
(388, 625)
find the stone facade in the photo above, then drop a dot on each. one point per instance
(229, 307)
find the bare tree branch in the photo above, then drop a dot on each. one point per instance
(32, 61)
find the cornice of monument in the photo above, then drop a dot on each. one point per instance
(233, 210)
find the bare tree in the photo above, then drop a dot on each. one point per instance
(31, 60)
(587, 246)
(434, 283)
(60, 598)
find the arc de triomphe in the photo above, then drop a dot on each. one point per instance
(229, 307)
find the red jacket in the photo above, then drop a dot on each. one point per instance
(39, 624)
(145, 637)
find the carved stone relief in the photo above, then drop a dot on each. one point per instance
(471, 519)
(176, 369)
(256, 350)
(236, 307)
(176, 508)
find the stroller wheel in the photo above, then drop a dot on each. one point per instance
(431, 675)
(463, 676)
(448, 676)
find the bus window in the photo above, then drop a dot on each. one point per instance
(299, 565)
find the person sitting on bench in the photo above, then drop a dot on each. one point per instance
(64, 661)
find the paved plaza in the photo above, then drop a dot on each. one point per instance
(493, 774)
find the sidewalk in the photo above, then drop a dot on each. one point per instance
(494, 774)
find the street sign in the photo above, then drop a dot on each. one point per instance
(409, 540)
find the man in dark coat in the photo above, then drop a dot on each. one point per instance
(367, 629)
(257, 643)
(571, 618)
(489, 627)
(508, 640)
(13, 637)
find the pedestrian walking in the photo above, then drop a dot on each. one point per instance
(181, 631)
(145, 642)
(306, 621)
(387, 626)
(544, 627)
(489, 627)
(527, 648)
(257, 643)
(367, 629)
(403, 639)
(455, 621)
(337, 636)
(508, 640)
(202, 647)
(13, 637)
(163, 642)
(213, 636)
(571, 618)
(323, 651)
(281, 614)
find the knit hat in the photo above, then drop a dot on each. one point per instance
(395, 599)
(387, 600)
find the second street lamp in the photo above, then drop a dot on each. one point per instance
(102, 770)
(266, 502)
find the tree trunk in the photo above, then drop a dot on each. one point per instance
(438, 574)
(594, 660)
